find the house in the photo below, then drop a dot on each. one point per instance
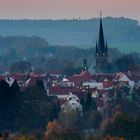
(93, 85)
(66, 83)
(122, 77)
(84, 76)
(72, 104)
(32, 78)
(10, 78)
(63, 92)
(57, 74)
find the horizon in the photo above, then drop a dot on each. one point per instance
(62, 9)
(74, 18)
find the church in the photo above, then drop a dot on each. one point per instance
(101, 52)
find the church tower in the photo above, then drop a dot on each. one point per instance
(101, 52)
(85, 66)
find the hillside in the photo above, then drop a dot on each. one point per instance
(41, 55)
(121, 32)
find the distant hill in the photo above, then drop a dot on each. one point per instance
(41, 55)
(122, 33)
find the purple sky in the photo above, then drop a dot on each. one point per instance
(37, 9)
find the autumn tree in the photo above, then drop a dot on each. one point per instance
(123, 125)
(68, 119)
(114, 138)
(53, 131)
(95, 119)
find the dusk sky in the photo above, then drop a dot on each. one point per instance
(42, 9)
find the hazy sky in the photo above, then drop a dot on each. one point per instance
(68, 8)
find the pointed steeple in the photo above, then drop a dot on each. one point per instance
(101, 51)
(101, 43)
(106, 48)
(97, 51)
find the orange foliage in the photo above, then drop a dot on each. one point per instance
(52, 127)
(23, 137)
(114, 138)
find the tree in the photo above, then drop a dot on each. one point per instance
(20, 67)
(10, 103)
(15, 88)
(122, 125)
(68, 119)
(82, 102)
(95, 119)
(70, 69)
(56, 131)
(125, 63)
(52, 130)
(114, 138)
(137, 126)
(88, 102)
(53, 112)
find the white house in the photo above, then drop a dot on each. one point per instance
(122, 77)
(72, 104)
(93, 85)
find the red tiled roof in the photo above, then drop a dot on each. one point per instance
(103, 91)
(65, 91)
(102, 77)
(18, 77)
(75, 79)
(2, 77)
(83, 76)
(55, 72)
(33, 80)
(133, 76)
(107, 84)
(33, 74)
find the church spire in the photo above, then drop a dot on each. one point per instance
(106, 48)
(97, 51)
(101, 43)
(101, 51)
